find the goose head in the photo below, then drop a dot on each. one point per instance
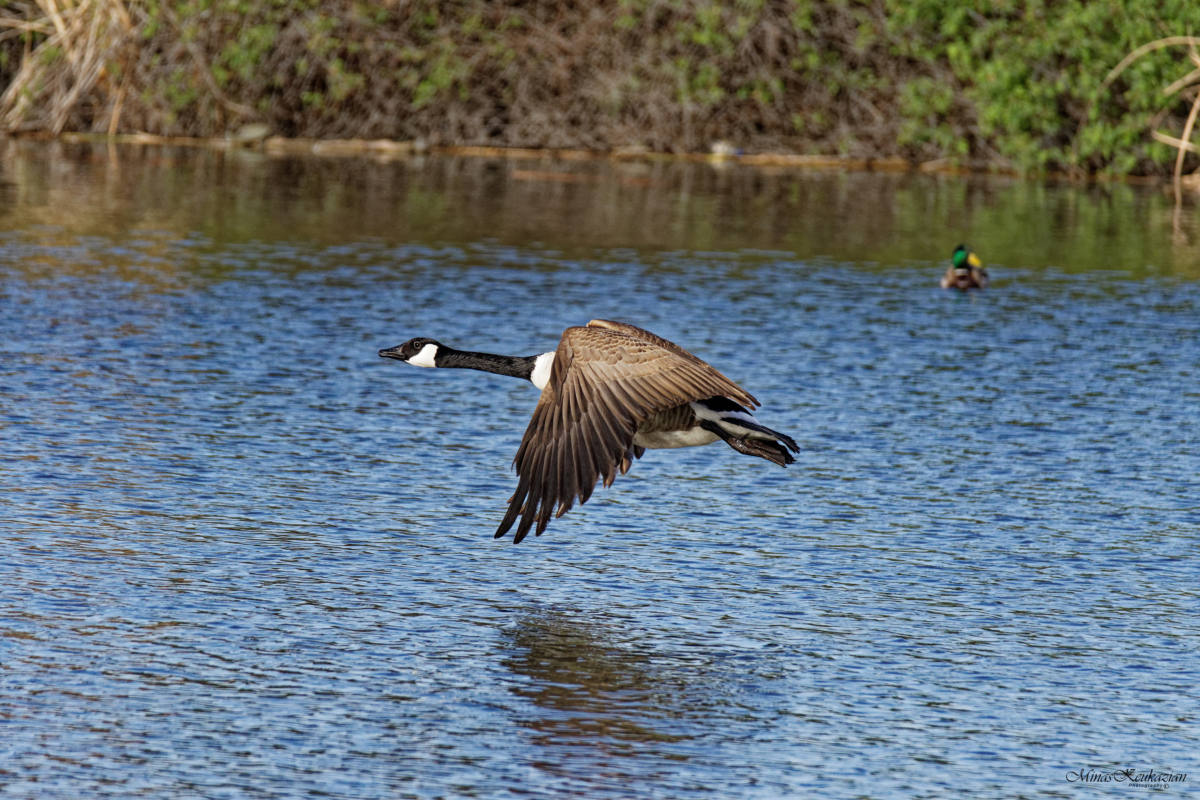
(420, 352)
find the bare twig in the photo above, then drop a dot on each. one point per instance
(1186, 137)
(1183, 83)
(23, 25)
(1158, 44)
(1174, 141)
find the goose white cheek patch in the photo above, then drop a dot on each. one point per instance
(425, 357)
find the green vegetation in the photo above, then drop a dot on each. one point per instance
(1016, 84)
(1031, 76)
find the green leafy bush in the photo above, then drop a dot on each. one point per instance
(1016, 84)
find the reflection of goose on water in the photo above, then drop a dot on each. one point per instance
(589, 692)
(609, 392)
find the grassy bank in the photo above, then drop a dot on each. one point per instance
(1019, 85)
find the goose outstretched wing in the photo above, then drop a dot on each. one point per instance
(607, 378)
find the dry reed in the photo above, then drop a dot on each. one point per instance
(92, 36)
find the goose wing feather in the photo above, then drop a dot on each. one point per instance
(606, 379)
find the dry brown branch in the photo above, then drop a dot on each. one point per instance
(1149, 47)
(23, 25)
(1174, 141)
(1186, 137)
(1183, 83)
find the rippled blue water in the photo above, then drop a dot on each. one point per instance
(245, 557)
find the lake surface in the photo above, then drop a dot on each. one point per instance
(245, 557)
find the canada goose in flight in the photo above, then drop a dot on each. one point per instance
(609, 391)
(965, 271)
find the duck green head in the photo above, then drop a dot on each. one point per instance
(964, 258)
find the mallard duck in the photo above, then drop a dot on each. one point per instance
(965, 271)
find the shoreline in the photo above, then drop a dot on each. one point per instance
(395, 150)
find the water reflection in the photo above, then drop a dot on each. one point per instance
(592, 693)
(61, 192)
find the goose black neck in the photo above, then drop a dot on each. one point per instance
(516, 366)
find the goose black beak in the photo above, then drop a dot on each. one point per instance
(391, 352)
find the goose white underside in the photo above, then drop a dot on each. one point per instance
(666, 440)
(697, 436)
